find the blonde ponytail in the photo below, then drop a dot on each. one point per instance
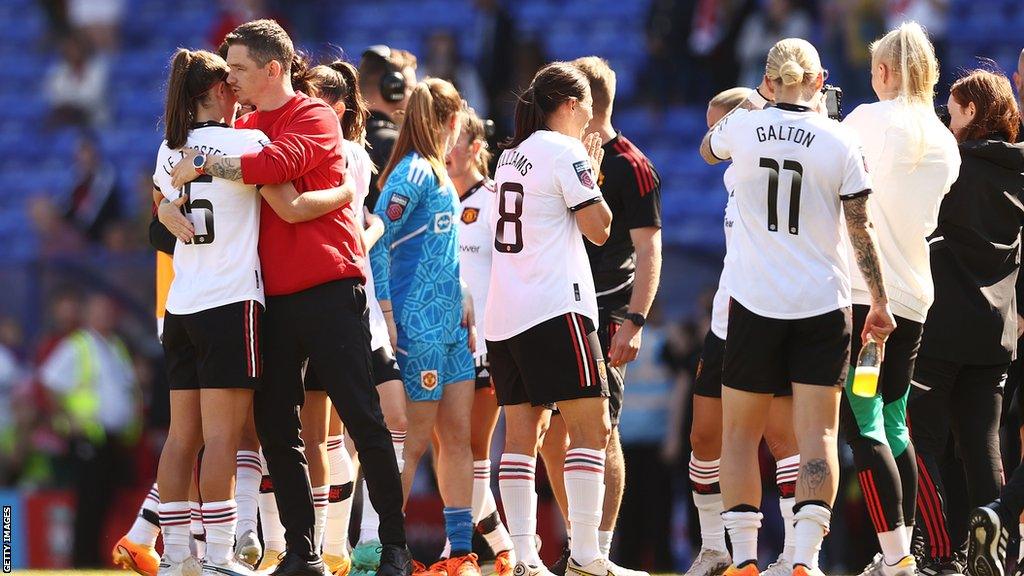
(793, 61)
(791, 73)
(909, 53)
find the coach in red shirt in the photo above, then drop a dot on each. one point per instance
(316, 305)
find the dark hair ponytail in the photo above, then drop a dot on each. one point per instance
(551, 86)
(193, 74)
(353, 123)
(300, 76)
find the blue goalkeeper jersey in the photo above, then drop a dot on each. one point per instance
(416, 263)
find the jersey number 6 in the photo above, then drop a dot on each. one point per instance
(200, 212)
(773, 193)
(508, 217)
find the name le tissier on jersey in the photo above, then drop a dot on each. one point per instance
(791, 167)
(540, 268)
(226, 217)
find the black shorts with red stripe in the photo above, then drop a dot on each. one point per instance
(611, 312)
(215, 348)
(556, 360)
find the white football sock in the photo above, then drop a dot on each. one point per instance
(516, 478)
(786, 471)
(339, 502)
(707, 497)
(273, 531)
(743, 527)
(584, 490)
(320, 494)
(175, 518)
(143, 530)
(812, 522)
(248, 473)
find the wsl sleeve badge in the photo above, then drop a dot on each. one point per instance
(584, 173)
(396, 207)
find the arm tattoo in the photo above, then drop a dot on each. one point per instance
(814, 474)
(226, 167)
(865, 249)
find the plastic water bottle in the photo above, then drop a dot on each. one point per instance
(869, 364)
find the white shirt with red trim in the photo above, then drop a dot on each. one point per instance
(539, 266)
(221, 264)
(793, 167)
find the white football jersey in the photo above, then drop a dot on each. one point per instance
(221, 264)
(540, 268)
(476, 238)
(359, 169)
(792, 168)
(720, 305)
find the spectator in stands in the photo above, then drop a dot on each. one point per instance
(95, 201)
(496, 53)
(713, 37)
(847, 29)
(99, 20)
(56, 13)
(668, 62)
(778, 19)
(1018, 82)
(63, 318)
(232, 13)
(11, 373)
(932, 15)
(529, 57)
(444, 61)
(386, 101)
(92, 381)
(76, 86)
(55, 235)
(646, 513)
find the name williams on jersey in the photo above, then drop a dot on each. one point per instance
(516, 160)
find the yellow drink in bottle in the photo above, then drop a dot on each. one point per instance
(865, 381)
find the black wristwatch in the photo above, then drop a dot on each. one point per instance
(636, 318)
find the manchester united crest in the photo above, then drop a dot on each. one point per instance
(470, 215)
(428, 379)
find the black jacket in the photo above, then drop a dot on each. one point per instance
(381, 134)
(975, 256)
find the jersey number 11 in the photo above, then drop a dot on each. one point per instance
(773, 193)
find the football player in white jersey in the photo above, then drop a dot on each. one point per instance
(212, 326)
(467, 165)
(542, 305)
(797, 174)
(706, 431)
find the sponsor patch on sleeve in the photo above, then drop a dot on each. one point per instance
(584, 173)
(396, 207)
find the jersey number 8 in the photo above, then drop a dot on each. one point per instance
(773, 193)
(200, 213)
(507, 217)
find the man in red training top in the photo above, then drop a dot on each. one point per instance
(316, 305)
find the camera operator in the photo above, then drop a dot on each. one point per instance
(386, 79)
